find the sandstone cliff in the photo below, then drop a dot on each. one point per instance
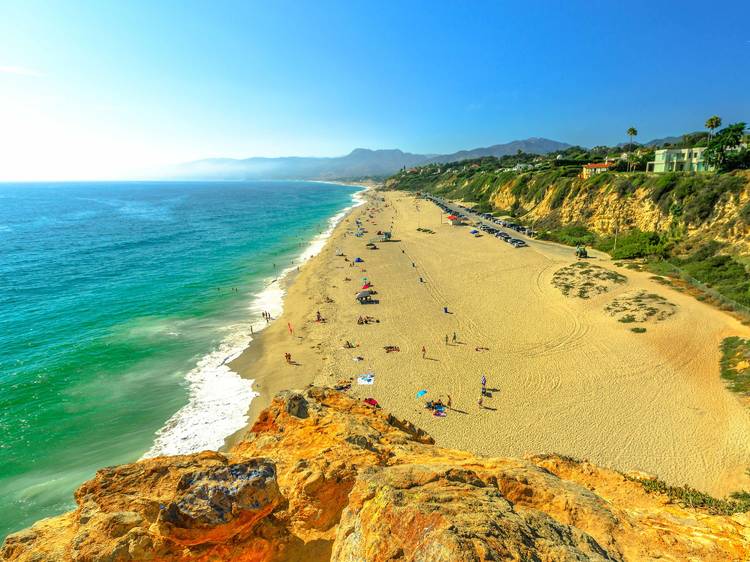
(321, 476)
(705, 206)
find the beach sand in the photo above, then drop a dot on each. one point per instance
(564, 375)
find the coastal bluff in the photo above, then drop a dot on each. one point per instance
(321, 476)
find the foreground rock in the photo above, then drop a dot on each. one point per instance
(323, 477)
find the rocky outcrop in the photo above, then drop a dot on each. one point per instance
(321, 476)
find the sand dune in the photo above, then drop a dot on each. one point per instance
(565, 375)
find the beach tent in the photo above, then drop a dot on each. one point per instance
(475, 231)
(358, 260)
(452, 217)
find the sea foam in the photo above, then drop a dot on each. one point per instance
(218, 398)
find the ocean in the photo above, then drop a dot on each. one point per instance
(120, 305)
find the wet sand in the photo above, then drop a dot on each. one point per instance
(564, 375)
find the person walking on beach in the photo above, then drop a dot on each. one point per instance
(484, 385)
(446, 339)
(455, 339)
(289, 325)
(424, 352)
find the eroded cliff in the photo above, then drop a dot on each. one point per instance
(321, 476)
(686, 207)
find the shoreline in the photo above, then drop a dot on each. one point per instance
(217, 394)
(562, 368)
(242, 362)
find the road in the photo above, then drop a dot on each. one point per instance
(551, 249)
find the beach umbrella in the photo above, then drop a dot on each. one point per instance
(421, 393)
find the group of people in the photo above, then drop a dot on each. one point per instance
(455, 338)
(367, 320)
(266, 316)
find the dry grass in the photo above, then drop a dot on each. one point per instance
(640, 306)
(582, 280)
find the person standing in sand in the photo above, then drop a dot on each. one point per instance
(455, 339)
(446, 339)
(424, 352)
(484, 385)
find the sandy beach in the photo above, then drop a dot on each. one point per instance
(563, 374)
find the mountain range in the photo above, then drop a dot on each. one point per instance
(361, 162)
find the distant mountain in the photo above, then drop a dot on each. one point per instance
(361, 162)
(665, 140)
(533, 145)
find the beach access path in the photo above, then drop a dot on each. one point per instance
(563, 375)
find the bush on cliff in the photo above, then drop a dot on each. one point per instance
(634, 244)
(572, 235)
(723, 273)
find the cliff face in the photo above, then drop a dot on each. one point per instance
(708, 206)
(323, 477)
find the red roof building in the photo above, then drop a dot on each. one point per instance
(595, 168)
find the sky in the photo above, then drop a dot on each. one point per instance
(102, 89)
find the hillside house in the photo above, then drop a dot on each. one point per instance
(678, 160)
(595, 168)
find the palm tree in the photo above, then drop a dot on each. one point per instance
(713, 122)
(632, 132)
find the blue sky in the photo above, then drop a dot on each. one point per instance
(105, 89)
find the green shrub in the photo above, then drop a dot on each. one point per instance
(634, 244)
(572, 235)
(723, 273)
(692, 498)
(735, 356)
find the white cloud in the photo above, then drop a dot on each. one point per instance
(20, 70)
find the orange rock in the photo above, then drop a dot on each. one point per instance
(321, 477)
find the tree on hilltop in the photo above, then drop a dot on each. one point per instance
(631, 132)
(712, 123)
(724, 152)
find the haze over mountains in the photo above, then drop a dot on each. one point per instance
(361, 162)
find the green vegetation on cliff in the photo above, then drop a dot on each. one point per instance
(735, 364)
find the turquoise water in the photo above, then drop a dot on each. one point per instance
(119, 302)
